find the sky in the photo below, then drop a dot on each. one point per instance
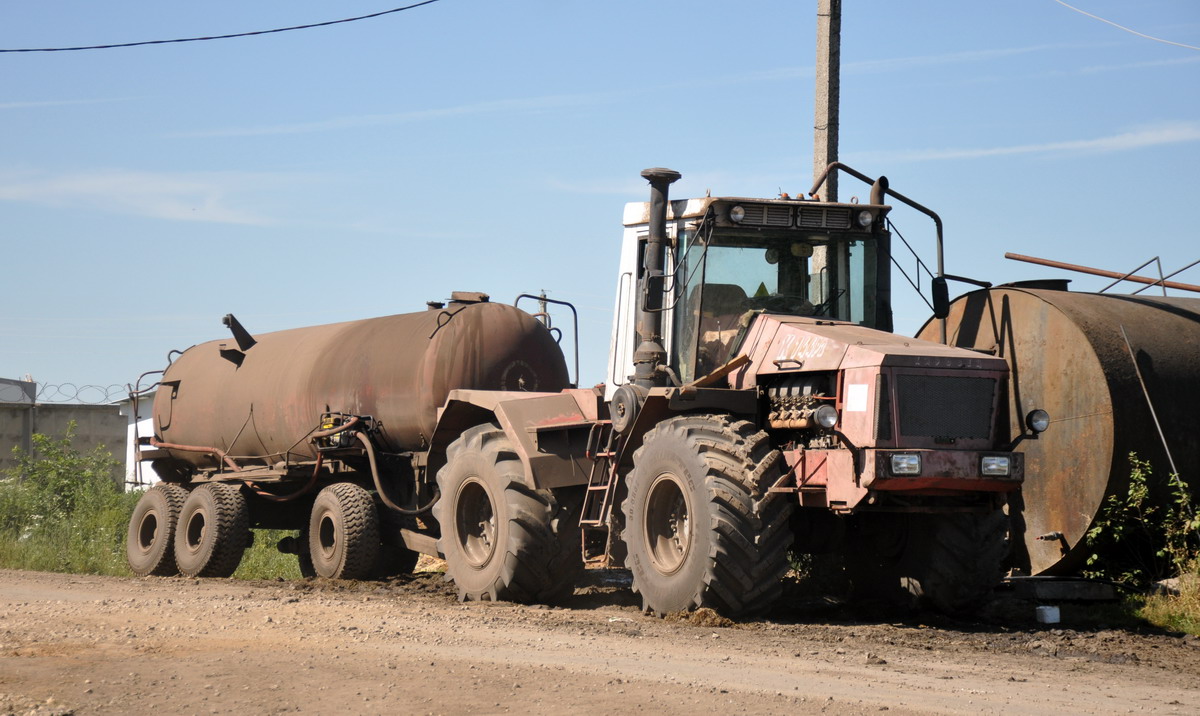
(365, 168)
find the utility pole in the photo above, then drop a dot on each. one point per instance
(829, 69)
(825, 263)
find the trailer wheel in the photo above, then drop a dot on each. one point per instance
(213, 531)
(962, 560)
(343, 532)
(700, 528)
(150, 544)
(501, 539)
(303, 556)
(394, 561)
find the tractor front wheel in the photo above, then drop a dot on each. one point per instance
(502, 539)
(700, 528)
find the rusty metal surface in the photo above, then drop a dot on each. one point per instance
(398, 369)
(1067, 356)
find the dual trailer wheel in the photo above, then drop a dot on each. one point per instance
(205, 532)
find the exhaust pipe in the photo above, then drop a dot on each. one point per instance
(879, 190)
(650, 353)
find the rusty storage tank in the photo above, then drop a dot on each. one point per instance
(1068, 356)
(263, 401)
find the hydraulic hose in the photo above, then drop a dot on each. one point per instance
(370, 448)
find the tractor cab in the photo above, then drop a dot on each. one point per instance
(730, 258)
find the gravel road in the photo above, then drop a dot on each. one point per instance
(104, 645)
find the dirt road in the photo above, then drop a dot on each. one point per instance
(99, 645)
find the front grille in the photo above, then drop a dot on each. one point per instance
(812, 217)
(767, 215)
(938, 406)
(778, 216)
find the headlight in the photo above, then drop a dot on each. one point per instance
(903, 464)
(1037, 421)
(736, 214)
(864, 219)
(827, 416)
(994, 466)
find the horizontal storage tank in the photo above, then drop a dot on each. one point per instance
(1068, 356)
(265, 400)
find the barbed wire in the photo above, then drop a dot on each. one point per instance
(82, 394)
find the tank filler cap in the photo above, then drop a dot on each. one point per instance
(469, 297)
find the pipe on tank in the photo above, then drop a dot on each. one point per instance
(650, 353)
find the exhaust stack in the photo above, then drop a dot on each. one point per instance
(650, 353)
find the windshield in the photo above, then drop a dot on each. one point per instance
(724, 279)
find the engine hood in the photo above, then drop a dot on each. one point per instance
(779, 344)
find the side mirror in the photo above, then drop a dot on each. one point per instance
(941, 297)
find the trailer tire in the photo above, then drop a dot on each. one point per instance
(502, 540)
(963, 560)
(343, 532)
(213, 531)
(150, 543)
(700, 529)
(394, 561)
(304, 556)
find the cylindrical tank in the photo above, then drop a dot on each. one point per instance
(1068, 356)
(396, 369)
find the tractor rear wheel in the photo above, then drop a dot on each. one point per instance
(150, 543)
(963, 557)
(213, 531)
(700, 528)
(949, 562)
(502, 539)
(343, 532)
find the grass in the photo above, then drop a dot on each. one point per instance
(1177, 612)
(63, 511)
(263, 561)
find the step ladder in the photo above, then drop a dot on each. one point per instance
(601, 491)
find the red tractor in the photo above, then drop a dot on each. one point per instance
(756, 403)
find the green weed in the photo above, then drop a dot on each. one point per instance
(63, 511)
(1151, 533)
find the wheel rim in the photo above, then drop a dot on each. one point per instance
(327, 536)
(475, 520)
(147, 531)
(668, 524)
(196, 527)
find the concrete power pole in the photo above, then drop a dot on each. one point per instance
(825, 265)
(829, 69)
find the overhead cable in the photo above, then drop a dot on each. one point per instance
(1126, 29)
(223, 37)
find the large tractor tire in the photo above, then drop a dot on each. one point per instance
(343, 533)
(150, 543)
(947, 562)
(213, 531)
(503, 540)
(700, 528)
(961, 560)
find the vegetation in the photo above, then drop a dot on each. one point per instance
(63, 511)
(1148, 534)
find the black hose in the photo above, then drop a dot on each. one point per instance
(366, 441)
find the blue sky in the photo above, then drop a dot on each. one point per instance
(363, 169)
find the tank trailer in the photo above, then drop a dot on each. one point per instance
(756, 403)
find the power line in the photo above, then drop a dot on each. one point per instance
(1126, 29)
(224, 37)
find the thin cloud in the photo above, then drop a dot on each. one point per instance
(56, 103)
(1153, 136)
(526, 104)
(175, 196)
